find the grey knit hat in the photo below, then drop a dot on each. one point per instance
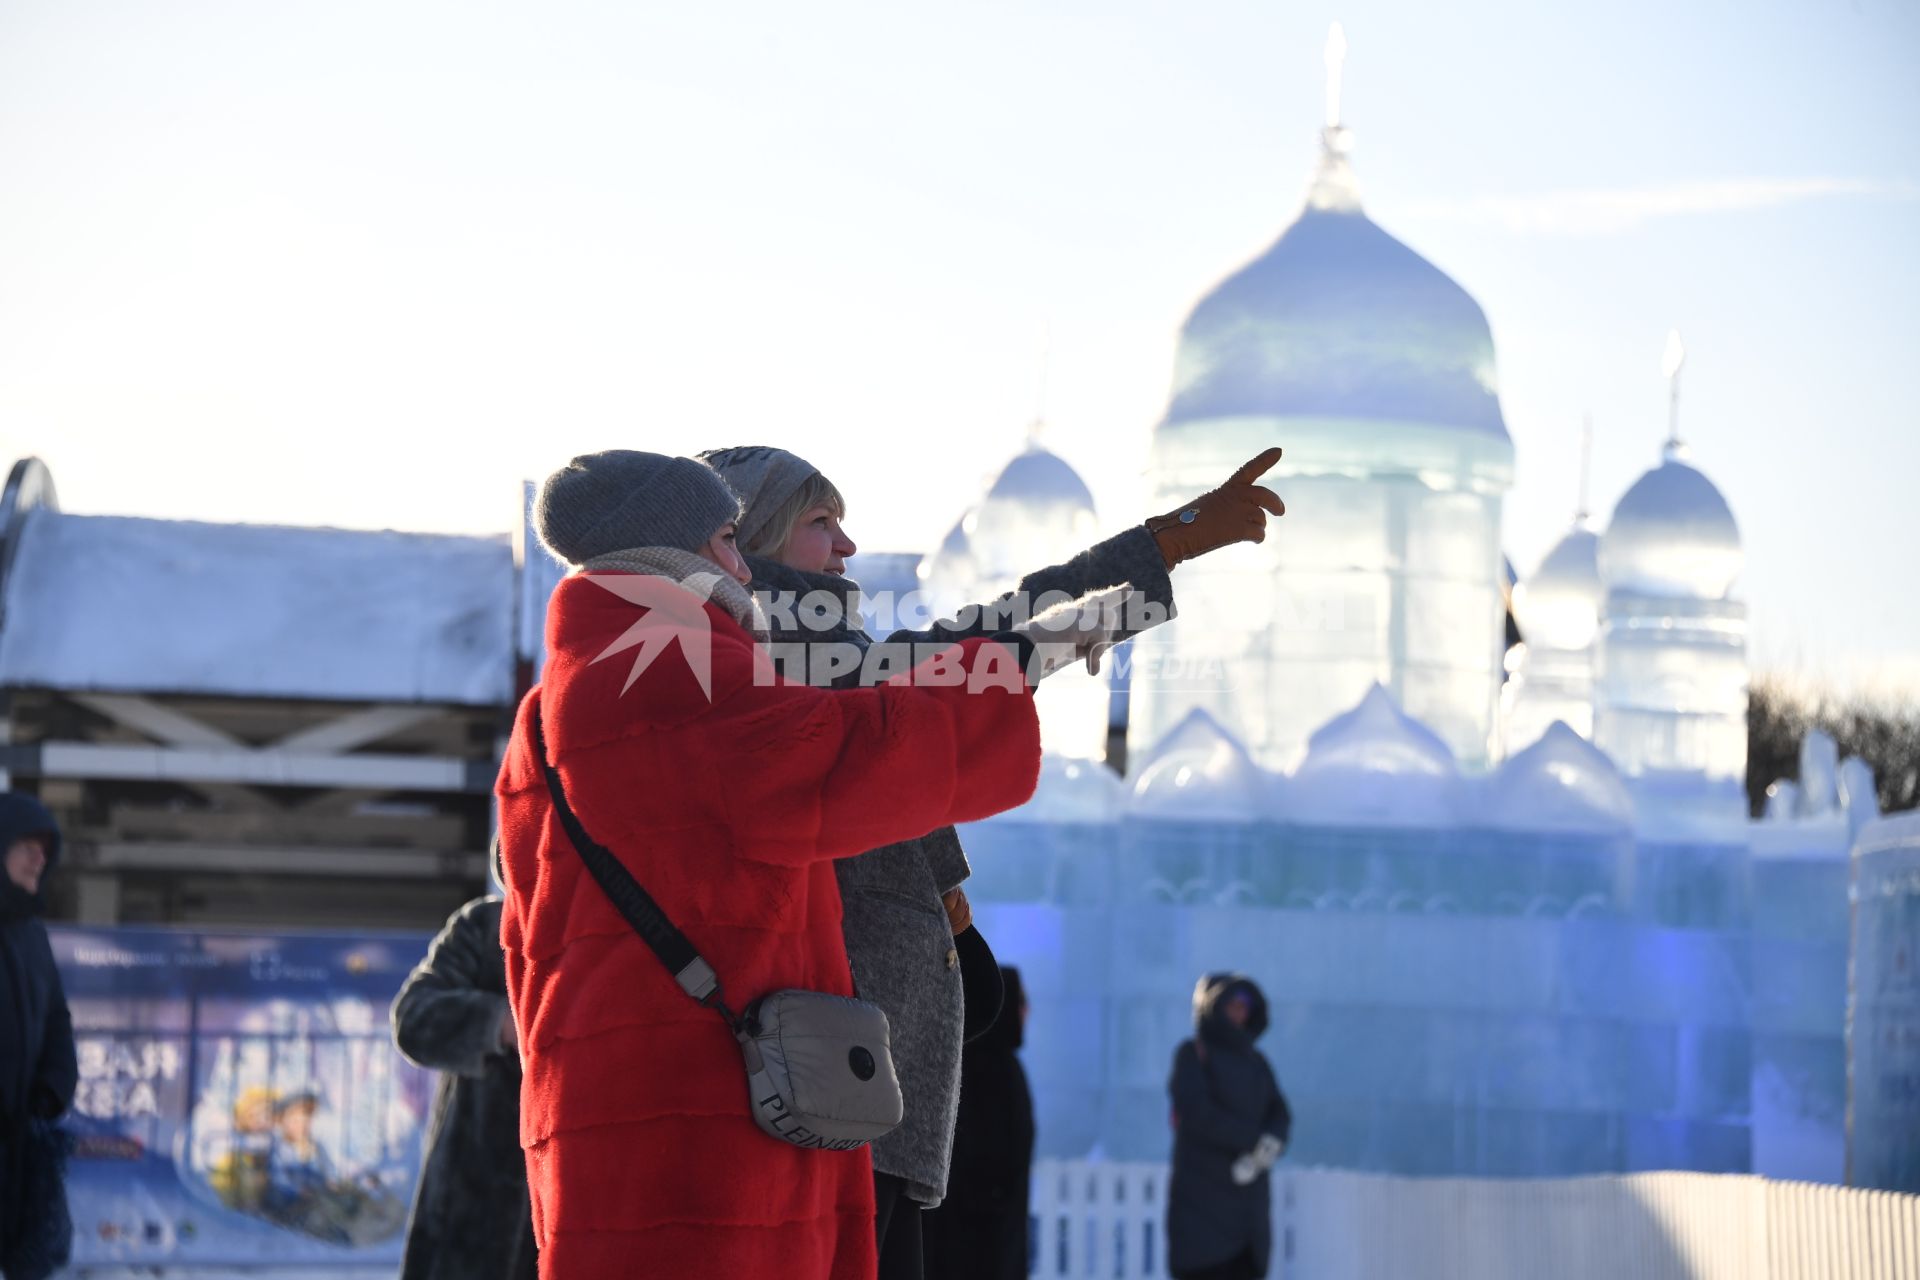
(764, 477)
(622, 498)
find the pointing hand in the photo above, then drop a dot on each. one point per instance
(1235, 512)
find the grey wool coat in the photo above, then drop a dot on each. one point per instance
(470, 1213)
(898, 939)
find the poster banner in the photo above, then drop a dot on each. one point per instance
(240, 1102)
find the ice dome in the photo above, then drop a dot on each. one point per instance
(1560, 783)
(1199, 772)
(1375, 766)
(1037, 512)
(947, 576)
(1672, 534)
(1074, 791)
(1040, 478)
(1338, 320)
(1559, 606)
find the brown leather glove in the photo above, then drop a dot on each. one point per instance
(959, 910)
(1235, 512)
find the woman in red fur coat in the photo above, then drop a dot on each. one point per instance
(727, 793)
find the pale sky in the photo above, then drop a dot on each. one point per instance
(372, 264)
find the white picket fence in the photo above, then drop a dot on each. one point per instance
(1107, 1221)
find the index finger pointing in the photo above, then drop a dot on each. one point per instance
(1256, 468)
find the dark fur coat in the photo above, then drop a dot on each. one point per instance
(470, 1215)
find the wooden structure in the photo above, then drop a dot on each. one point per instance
(256, 724)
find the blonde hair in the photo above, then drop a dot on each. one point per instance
(815, 491)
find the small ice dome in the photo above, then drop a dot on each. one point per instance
(1672, 534)
(1073, 790)
(1041, 478)
(1199, 772)
(1375, 766)
(1559, 606)
(1561, 783)
(957, 543)
(1037, 512)
(949, 574)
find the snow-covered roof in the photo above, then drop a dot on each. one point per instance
(1672, 534)
(1338, 320)
(114, 603)
(1375, 766)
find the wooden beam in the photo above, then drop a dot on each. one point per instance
(356, 729)
(163, 724)
(342, 802)
(444, 731)
(235, 799)
(262, 767)
(129, 822)
(288, 860)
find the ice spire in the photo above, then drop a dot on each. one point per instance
(1038, 426)
(1676, 356)
(1581, 513)
(1333, 186)
(1336, 56)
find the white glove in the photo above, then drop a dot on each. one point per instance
(1257, 1161)
(1082, 628)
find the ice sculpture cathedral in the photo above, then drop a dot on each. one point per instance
(1510, 913)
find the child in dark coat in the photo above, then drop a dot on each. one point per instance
(1230, 1124)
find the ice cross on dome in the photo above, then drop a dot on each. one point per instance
(1581, 514)
(1670, 364)
(1336, 63)
(1333, 185)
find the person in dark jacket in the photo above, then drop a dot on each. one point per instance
(900, 940)
(1230, 1123)
(470, 1214)
(38, 1072)
(979, 1232)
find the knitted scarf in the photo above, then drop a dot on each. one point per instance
(696, 573)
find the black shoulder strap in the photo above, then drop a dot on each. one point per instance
(695, 976)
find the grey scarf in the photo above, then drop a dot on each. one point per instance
(805, 608)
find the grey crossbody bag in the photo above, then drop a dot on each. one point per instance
(819, 1068)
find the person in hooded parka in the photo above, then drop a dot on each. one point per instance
(471, 1216)
(38, 1072)
(979, 1232)
(1230, 1123)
